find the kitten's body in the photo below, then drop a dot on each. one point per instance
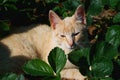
(39, 41)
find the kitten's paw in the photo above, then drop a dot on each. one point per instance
(72, 74)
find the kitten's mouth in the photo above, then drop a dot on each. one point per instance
(74, 46)
(71, 47)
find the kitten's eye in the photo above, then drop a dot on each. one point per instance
(62, 35)
(76, 33)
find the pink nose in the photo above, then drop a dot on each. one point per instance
(70, 41)
(70, 44)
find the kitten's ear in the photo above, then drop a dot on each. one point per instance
(54, 19)
(80, 14)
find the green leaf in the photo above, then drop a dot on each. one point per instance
(118, 6)
(95, 7)
(57, 59)
(102, 54)
(20, 77)
(65, 14)
(37, 67)
(52, 1)
(5, 1)
(10, 76)
(113, 3)
(102, 68)
(105, 2)
(71, 4)
(75, 55)
(117, 59)
(107, 78)
(80, 58)
(103, 50)
(113, 35)
(116, 18)
(4, 26)
(10, 6)
(89, 20)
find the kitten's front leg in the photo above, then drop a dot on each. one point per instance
(72, 74)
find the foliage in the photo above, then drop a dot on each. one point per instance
(95, 62)
(113, 35)
(4, 28)
(99, 62)
(12, 76)
(57, 60)
(37, 67)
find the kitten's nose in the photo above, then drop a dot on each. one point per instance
(71, 44)
(70, 41)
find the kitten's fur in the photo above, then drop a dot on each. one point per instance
(67, 34)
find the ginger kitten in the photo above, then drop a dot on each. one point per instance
(68, 34)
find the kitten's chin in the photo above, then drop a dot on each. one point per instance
(66, 48)
(71, 47)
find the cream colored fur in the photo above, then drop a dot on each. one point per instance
(67, 34)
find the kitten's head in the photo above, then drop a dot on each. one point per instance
(71, 31)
